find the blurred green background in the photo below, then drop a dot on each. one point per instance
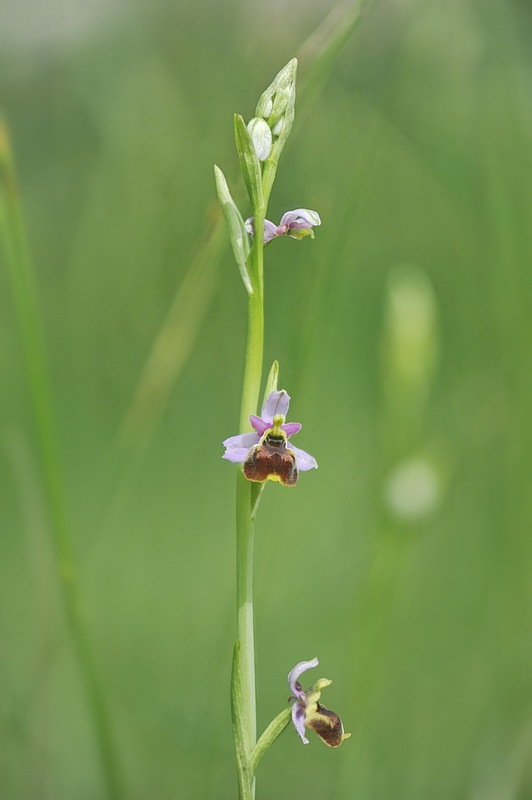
(404, 336)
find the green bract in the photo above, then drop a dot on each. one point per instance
(249, 162)
(237, 232)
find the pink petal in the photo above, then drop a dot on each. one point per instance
(301, 218)
(238, 447)
(295, 674)
(236, 454)
(259, 424)
(270, 231)
(290, 428)
(276, 403)
(298, 718)
(304, 461)
(241, 440)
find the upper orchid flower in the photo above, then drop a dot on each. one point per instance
(308, 713)
(296, 224)
(265, 453)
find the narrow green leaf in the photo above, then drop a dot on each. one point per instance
(256, 496)
(237, 232)
(249, 163)
(272, 380)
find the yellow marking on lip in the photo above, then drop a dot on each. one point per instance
(275, 430)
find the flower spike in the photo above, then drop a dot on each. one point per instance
(308, 713)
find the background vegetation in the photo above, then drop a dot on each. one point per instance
(404, 336)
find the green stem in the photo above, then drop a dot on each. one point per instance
(268, 177)
(255, 338)
(246, 634)
(245, 517)
(25, 300)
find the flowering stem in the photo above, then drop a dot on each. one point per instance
(245, 704)
(246, 725)
(254, 346)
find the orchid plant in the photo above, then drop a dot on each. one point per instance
(265, 452)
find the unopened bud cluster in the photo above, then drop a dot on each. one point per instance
(274, 114)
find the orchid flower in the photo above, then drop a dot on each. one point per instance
(296, 224)
(266, 454)
(308, 713)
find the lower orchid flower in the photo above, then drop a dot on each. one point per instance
(296, 224)
(266, 453)
(308, 713)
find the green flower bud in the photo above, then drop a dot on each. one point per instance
(268, 108)
(261, 136)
